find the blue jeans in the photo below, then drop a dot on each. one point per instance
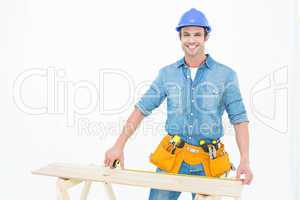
(156, 194)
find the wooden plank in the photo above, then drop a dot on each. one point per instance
(69, 183)
(203, 197)
(184, 183)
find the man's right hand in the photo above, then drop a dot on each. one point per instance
(112, 154)
(116, 151)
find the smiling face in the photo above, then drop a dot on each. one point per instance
(192, 40)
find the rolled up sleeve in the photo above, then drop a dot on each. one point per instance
(153, 97)
(233, 101)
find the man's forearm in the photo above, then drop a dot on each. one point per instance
(131, 124)
(242, 139)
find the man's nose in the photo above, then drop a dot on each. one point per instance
(191, 39)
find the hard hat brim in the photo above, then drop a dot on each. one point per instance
(178, 28)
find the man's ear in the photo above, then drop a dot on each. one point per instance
(206, 37)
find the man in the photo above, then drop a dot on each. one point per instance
(198, 89)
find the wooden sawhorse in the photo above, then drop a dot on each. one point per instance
(70, 175)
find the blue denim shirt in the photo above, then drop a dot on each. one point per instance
(195, 108)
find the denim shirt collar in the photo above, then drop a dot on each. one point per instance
(209, 62)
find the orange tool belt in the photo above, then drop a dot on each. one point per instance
(192, 155)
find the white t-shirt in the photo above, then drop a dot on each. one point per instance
(193, 72)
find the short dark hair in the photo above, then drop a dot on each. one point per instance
(205, 32)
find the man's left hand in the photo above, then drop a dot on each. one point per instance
(244, 169)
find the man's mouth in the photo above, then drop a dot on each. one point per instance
(192, 47)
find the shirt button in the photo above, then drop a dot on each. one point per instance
(193, 100)
(191, 126)
(193, 88)
(188, 76)
(190, 137)
(192, 114)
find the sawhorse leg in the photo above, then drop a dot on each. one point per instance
(62, 186)
(86, 190)
(109, 191)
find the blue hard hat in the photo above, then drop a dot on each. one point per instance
(193, 17)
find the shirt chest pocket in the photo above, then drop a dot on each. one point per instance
(207, 98)
(174, 96)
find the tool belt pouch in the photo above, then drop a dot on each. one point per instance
(220, 165)
(162, 158)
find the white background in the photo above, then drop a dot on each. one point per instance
(75, 40)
